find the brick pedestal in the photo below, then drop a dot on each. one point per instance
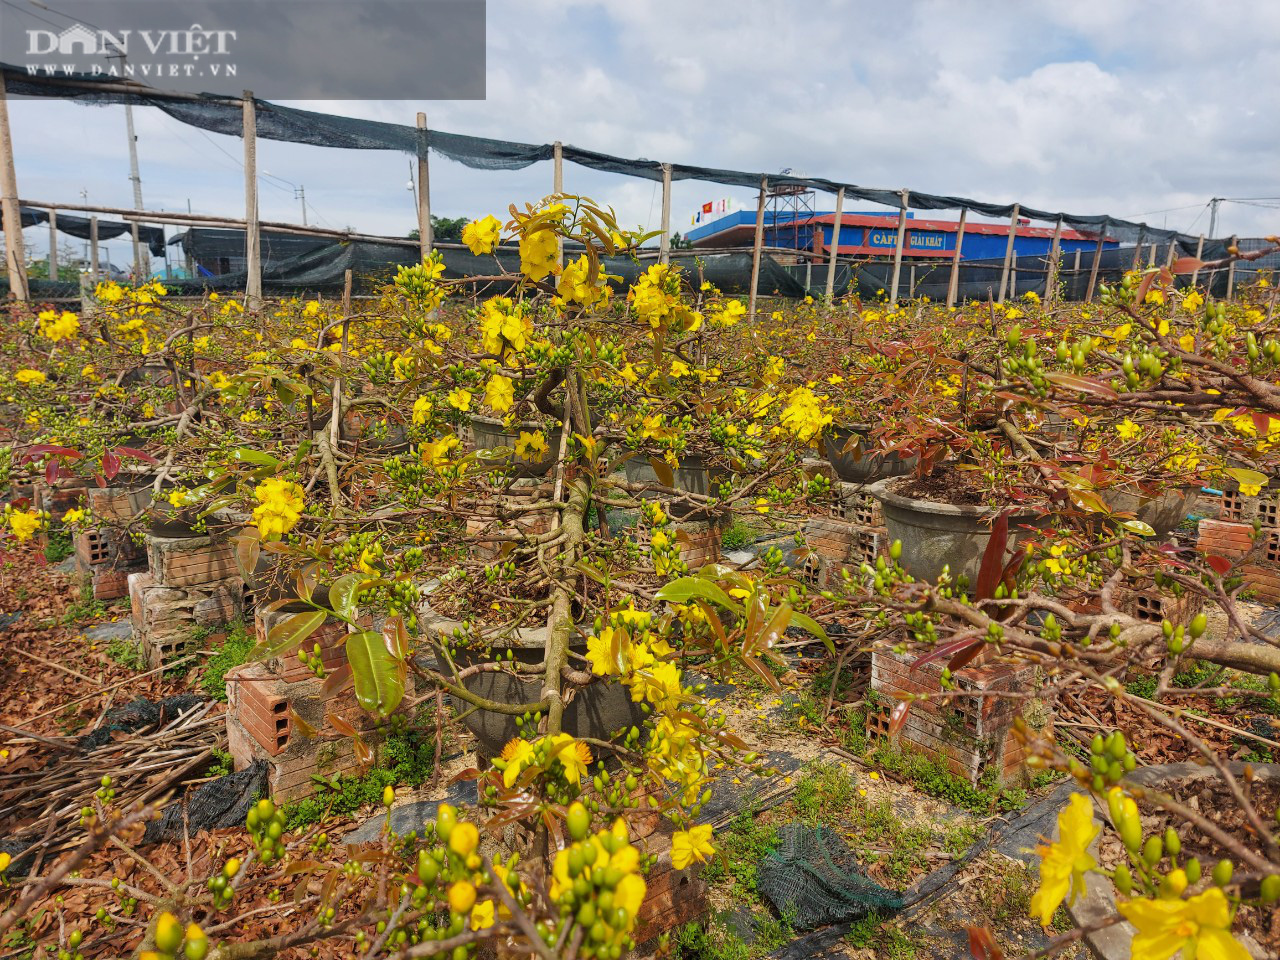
(188, 561)
(971, 734)
(265, 710)
(106, 558)
(164, 617)
(698, 541)
(1257, 557)
(840, 545)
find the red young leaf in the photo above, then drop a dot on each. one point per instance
(1221, 565)
(898, 717)
(967, 655)
(993, 558)
(51, 471)
(1187, 265)
(982, 944)
(136, 454)
(110, 465)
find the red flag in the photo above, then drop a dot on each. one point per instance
(707, 207)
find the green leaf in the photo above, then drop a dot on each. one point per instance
(685, 589)
(809, 625)
(247, 455)
(288, 633)
(342, 595)
(1138, 527)
(378, 676)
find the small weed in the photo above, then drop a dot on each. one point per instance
(744, 844)
(934, 779)
(221, 764)
(715, 941)
(128, 653)
(84, 608)
(408, 759)
(875, 930)
(234, 650)
(58, 545)
(824, 793)
(738, 536)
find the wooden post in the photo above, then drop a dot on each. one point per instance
(1055, 257)
(835, 245)
(1199, 254)
(425, 238)
(898, 243)
(557, 187)
(911, 280)
(14, 254)
(94, 273)
(1097, 262)
(664, 243)
(1008, 253)
(755, 252)
(252, 239)
(53, 244)
(1231, 267)
(1137, 250)
(953, 288)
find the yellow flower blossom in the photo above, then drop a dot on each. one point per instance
(531, 446)
(460, 399)
(1128, 429)
(498, 393)
(280, 506)
(482, 235)
(24, 524)
(691, 845)
(30, 376)
(1198, 927)
(1064, 864)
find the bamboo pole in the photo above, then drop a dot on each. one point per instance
(557, 187)
(1097, 262)
(898, 243)
(137, 251)
(835, 245)
(425, 237)
(252, 238)
(53, 245)
(94, 273)
(1055, 258)
(755, 251)
(953, 287)
(10, 212)
(1137, 250)
(1231, 267)
(664, 242)
(1008, 253)
(1199, 255)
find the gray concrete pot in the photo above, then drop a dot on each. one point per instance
(935, 535)
(847, 455)
(1099, 903)
(596, 710)
(1162, 512)
(691, 476)
(493, 435)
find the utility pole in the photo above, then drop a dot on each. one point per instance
(300, 193)
(1213, 216)
(141, 266)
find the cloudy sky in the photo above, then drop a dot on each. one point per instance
(1137, 110)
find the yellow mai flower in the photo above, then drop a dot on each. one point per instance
(25, 524)
(280, 506)
(538, 250)
(436, 453)
(74, 515)
(690, 845)
(498, 393)
(58, 326)
(576, 283)
(804, 415)
(421, 411)
(531, 446)
(1128, 429)
(1192, 301)
(679, 369)
(1187, 342)
(460, 399)
(574, 757)
(1063, 864)
(482, 913)
(30, 376)
(600, 653)
(482, 236)
(1199, 927)
(517, 755)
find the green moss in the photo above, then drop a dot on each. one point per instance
(233, 651)
(738, 535)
